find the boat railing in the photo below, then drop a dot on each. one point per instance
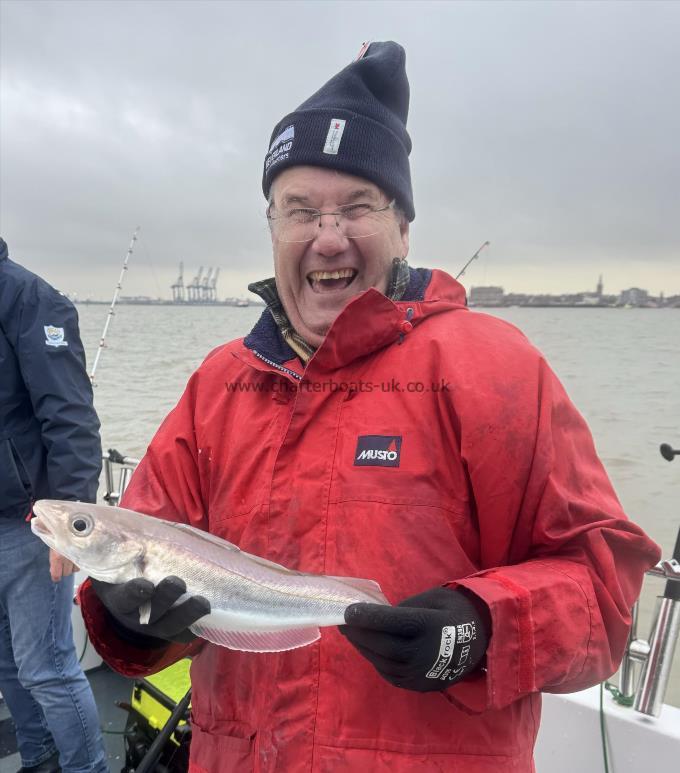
(117, 470)
(646, 666)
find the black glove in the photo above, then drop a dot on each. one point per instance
(166, 623)
(427, 642)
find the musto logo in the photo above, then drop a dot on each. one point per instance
(378, 451)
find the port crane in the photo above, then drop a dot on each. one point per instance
(201, 289)
(205, 286)
(194, 288)
(213, 286)
(178, 287)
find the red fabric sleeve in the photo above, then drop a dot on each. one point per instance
(166, 484)
(565, 564)
(122, 656)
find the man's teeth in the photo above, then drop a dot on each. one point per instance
(342, 273)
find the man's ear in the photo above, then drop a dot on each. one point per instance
(404, 234)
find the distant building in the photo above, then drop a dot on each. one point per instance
(587, 299)
(592, 299)
(486, 296)
(138, 299)
(634, 296)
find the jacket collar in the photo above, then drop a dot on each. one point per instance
(4, 252)
(368, 322)
(267, 339)
(371, 321)
(267, 290)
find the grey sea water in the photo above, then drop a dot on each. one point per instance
(621, 368)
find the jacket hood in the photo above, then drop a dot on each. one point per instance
(368, 322)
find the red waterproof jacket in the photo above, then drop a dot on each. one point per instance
(497, 488)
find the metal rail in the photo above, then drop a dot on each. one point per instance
(118, 470)
(646, 666)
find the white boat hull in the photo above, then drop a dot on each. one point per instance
(570, 739)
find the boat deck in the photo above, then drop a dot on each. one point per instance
(107, 687)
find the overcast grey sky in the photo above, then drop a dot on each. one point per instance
(549, 128)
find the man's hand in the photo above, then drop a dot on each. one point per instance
(167, 620)
(427, 642)
(60, 566)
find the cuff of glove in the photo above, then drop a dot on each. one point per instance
(472, 636)
(138, 640)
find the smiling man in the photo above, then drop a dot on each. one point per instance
(371, 426)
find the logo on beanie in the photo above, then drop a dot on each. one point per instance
(287, 134)
(278, 150)
(334, 136)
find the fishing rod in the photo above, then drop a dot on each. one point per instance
(474, 257)
(113, 304)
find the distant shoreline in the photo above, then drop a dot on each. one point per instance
(141, 302)
(259, 304)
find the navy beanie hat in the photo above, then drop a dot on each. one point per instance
(355, 123)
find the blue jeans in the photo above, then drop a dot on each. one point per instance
(48, 696)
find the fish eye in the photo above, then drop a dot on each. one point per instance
(81, 524)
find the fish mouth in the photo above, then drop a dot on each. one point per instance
(42, 522)
(41, 529)
(38, 526)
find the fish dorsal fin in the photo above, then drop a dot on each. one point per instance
(213, 548)
(204, 535)
(369, 587)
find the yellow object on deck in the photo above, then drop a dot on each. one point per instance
(154, 697)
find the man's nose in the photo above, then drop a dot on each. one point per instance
(329, 240)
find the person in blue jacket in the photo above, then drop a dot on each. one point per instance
(49, 448)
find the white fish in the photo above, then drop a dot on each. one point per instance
(256, 605)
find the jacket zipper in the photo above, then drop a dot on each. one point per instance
(277, 366)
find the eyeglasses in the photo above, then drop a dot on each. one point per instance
(355, 221)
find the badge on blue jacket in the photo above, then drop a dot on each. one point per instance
(54, 336)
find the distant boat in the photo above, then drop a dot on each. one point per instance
(242, 302)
